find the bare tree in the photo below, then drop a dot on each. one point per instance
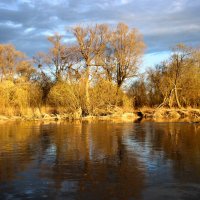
(14, 63)
(60, 59)
(122, 56)
(106, 61)
(92, 43)
(179, 63)
(128, 47)
(25, 70)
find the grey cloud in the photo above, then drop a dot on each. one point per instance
(163, 23)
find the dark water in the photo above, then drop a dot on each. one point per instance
(100, 160)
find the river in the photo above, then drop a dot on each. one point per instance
(100, 160)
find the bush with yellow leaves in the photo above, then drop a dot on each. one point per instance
(105, 97)
(18, 98)
(64, 97)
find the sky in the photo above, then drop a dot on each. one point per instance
(163, 23)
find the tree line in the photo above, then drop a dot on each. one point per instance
(174, 82)
(87, 76)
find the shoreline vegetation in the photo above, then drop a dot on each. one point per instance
(159, 114)
(97, 77)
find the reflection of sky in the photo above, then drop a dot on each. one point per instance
(158, 170)
(151, 160)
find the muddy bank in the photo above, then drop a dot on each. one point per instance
(162, 113)
(126, 116)
(192, 115)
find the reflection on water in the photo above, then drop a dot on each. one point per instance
(99, 160)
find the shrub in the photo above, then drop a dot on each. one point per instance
(105, 96)
(17, 98)
(64, 97)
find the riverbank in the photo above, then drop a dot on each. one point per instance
(144, 113)
(55, 117)
(164, 113)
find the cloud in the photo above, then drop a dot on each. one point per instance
(26, 23)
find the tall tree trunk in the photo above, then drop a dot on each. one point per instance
(171, 98)
(86, 110)
(176, 96)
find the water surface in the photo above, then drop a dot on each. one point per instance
(100, 160)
